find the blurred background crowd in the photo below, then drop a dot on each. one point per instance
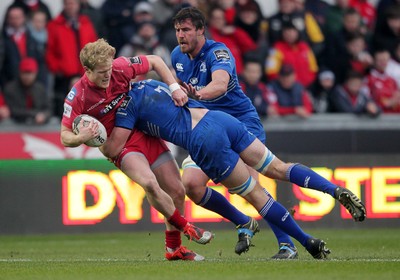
(308, 57)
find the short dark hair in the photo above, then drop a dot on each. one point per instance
(192, 13)
(352, 74)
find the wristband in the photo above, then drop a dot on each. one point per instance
(174, 86)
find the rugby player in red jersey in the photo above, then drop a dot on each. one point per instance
(144, 159)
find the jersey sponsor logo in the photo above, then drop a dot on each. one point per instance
(67, 110)
(125, 103)
(221, 54)
(203, 67)
(179, 67)
(135, 60)
(71, 94)
(194, 80)
(112, 104)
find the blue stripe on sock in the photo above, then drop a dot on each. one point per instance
(216, 202)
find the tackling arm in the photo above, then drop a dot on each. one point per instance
(158, 65)
(115, 142)
(217, 86)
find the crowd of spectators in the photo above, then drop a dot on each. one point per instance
(310, 57)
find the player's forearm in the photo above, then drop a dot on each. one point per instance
(159, 66)
(70, 139)
(213, 90)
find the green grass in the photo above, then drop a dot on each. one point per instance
(356, 254)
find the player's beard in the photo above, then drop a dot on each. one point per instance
(188, 48)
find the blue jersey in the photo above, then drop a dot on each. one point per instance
(214, 144)
(197, 72)
(150, 108)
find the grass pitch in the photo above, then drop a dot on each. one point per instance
(356, 254)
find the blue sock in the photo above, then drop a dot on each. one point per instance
(216, 202)
(275, 213)
(305, 177)
(280, 235)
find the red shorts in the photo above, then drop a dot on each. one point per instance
(151, 147)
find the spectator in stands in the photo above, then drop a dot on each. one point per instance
(165, 10)
(366, 10)
(26, 96)
(356, 57)
(383, 88)
(304, 22)
(291, 96)
(393, 67)
(96, 17)
(235, 38)
(143, 11)
(146, 42)
(294, 51)
(4, 110)
(387, 34)
(321, 91)
(37, 26)
(318, 8)
(382, 7)
(334, 16)
(256, 89)
(353, 97)
(68, 33)
(336, 42)
(18, 43)
(118, 21)
(30, 6)
(249, 18)
(229, 9)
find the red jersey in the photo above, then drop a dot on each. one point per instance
(86, 98)
(382, 86)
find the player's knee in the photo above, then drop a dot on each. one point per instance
(278, 170)
(177, 193)
(194, 190)
(265, 162)
(245, 188)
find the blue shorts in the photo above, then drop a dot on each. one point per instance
(216, 142)
(254, 125)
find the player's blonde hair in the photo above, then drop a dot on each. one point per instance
(95, 53)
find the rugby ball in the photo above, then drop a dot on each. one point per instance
(95, 142)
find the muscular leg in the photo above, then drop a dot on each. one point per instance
(166, 171)
(240, 182)
(195, 181)
(137, 168)
(259, 157)
(284, 242)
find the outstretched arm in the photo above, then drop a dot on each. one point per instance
(115, 142)
(158, 65)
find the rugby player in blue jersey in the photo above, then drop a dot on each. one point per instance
(207, 70)
(220, 145)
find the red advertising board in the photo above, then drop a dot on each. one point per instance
(41, 145)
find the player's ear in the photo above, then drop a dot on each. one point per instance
(200, 31)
